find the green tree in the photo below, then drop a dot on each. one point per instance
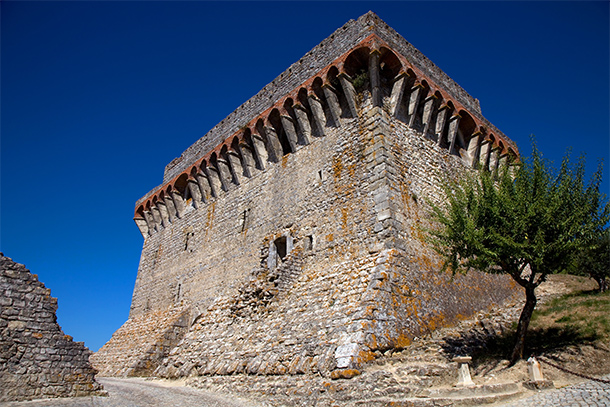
(528, 221)
(594, 260)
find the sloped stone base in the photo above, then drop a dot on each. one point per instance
(137, 348)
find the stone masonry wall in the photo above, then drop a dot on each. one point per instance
(37, 360)
(308, 255)
(138, 347)
(356, 281)
(352, 297)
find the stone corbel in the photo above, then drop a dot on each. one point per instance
(350, 92)
(484, 154)
(454, 123)
(374, 57)
(150, 222)
(494, 159)
(398, 89)
(142, 224)
(204, 186)
(414, 98)
(172, 213)
(214, 179)
(156, 214)
(441, 120)
(291, 132)
(318, 113)
(333, 103)
(473, 147)
(260, 150)
(249, 164)
(164, 213)
(429, 103)
(178, 202)
(303, 121)
(236, 167)
(274, 147)
(225, 173)
(195, 192)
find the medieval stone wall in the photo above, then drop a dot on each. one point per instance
(296, 244)
(37, 360)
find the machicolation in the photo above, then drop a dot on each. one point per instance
(288, 239)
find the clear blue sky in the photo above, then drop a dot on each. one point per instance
(97, 97)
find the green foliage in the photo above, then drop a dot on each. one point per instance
(527, 221)
(594, 260)
(360, 80)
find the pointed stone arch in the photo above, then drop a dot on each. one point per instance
(356, 66)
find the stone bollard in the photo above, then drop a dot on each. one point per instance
(536, 381)
(464, 379)
(534, 369)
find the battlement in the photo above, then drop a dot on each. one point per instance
(316, 92)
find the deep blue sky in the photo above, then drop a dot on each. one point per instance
(97, 97)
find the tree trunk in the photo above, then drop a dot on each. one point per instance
(524, 322)
(601, 282)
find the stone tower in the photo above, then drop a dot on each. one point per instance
(288, 239)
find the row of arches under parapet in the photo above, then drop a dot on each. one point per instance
(321, 102)
(413, 98)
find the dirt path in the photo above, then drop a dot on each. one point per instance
(141, 393)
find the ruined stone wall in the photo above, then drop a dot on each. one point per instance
(37, 360)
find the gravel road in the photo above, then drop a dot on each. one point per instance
(140, 393)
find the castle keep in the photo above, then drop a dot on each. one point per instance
(288, 239)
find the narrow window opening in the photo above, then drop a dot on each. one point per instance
(320, 176)
(308, 243)
(244, 219)
(188, 242)
(280, 245)
(179, 292)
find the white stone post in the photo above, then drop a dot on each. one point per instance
(534, 370)
(464, 379)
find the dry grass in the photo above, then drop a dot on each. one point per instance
(580, 316)
(572, 329)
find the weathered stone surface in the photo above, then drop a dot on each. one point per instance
(141, 343)
(316, 260)
(37, 360)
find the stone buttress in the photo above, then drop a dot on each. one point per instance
(289, 239)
